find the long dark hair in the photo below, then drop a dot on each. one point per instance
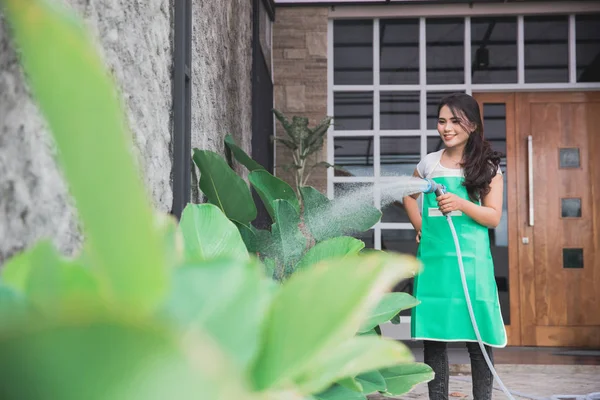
(480, 163)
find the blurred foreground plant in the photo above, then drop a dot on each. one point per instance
(133, 317)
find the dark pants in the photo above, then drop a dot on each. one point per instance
(436, 356)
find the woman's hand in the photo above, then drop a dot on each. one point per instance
(418, 238)
(450, 202)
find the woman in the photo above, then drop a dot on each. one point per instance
(469, 169)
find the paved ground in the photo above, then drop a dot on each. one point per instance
(540, 381)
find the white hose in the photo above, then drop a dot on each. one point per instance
(590, 396)
(470, 307)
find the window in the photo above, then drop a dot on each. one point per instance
(389, 75)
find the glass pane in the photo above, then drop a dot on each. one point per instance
(399, 55)
(546, 49)
(445, 50)
(399, 110)
(353, 52)
(494, 122)
(353, 110)
(587, 37)
(401, 241)
(569, 158)
(350, 194)
(399, 155)
(494, 50)
(433, 100)
(571, 208)
(434, 143)
(495, 125)
(572, 258)
(354, 154)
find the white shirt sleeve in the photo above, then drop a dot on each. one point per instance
(428, 163)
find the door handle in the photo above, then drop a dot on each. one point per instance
(530, 173)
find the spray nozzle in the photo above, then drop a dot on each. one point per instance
(434, 187)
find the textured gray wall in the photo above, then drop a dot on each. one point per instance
(136, 40)
(222, 68)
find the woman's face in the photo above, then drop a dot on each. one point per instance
(450, 129)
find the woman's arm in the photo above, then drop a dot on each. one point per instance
(412, 209)
(488, 214)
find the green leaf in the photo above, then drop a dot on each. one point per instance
(270, 188)
(299, 314)
(338, 247)
(372, 382)
(338, 392)
(402, 379)
(388, 307)
(288, 241)
(94, 149)
(353, 357)
(241, 156)
(290, 144)
(224, 188)
(326, 219)
(14, 307)
(96, 360)
(50, 281)
(258, 241)
(220, 296)
(351, 383)
(208, 234)
(270, 266)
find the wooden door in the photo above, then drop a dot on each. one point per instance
(558, 217)
(498, 113)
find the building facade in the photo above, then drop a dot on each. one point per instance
(380, 69)
(189, 73)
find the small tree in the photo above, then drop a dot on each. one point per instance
(303, 143)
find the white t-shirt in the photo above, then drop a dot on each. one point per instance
(430, 167)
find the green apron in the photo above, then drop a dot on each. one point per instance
(442, 313)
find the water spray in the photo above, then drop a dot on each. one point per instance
(440, 190)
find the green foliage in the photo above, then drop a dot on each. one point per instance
(241, 155)
(334, 248)
(303, 142)
(402, 379)
(270, 189)
(208, 234)
(140, 316)
(224, 188)
(390, 306)
(340, 221)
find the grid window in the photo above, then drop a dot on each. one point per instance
(395, 71)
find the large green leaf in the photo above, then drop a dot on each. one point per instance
(338, 247)
(50, 281)
(326, 219)
(77, 96)
(288, 241)
(224, 188)
(96, 360)
(353, 357)
(226, 298)
(257, 241)
(241, 156)
(305, 314)
(338, 392)
(208, 234)
(13, 306)
(351, 384)
(372, 382)
(270, 188)
(388, 307)
(402, 379)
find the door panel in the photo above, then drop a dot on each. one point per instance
(558, 267)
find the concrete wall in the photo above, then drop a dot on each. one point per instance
(135, 38)
(300, 75)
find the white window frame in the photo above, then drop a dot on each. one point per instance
(423, 12)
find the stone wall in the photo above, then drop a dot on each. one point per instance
(135, 39)
(300, 75)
